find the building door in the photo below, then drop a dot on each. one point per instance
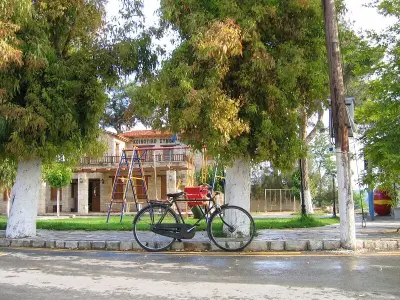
(163, 180)
(74, 195)
(94, 195)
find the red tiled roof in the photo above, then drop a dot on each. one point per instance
(118, 136)
(146, 133)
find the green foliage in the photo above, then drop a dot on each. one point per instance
(379, 115)
(8, 171)
(55, 97)
(219, 182)
(360, 59)
(236, 81)
(359, 200)
(12, 12)
(322, 162)
(114, 114)
(58, 175)
(296, 179)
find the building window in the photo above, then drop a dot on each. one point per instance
(53, 194)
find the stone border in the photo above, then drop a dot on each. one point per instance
(255, 246)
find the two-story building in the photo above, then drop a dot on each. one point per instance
(168, 165)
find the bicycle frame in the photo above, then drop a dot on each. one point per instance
(205, 213)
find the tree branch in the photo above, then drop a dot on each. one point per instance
(314, 131)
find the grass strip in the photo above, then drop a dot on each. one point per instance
(94, 223)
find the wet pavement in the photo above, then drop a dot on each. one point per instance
(43, 274)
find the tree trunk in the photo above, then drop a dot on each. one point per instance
(238, 184)
(306, 184)
(304, 165)
(24, 197)
(58, 202)
(237, 191)
(346, 201)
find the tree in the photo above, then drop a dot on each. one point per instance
(7, 177)
(58, 175)
(379, 115)
(323, 164)
(114, 115)
(54, 99)
(237, 80)
(12, 12)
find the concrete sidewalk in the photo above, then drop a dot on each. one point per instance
(379, 235)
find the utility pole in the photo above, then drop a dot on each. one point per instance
(340, 129)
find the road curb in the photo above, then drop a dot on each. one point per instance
(255, 246)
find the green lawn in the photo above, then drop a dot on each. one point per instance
(92, 224)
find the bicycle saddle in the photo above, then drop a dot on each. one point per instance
(175, 195)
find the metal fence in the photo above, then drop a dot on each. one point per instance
(275, 200)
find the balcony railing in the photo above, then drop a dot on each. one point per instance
(149, 157)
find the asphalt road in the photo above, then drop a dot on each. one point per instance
(61, 275)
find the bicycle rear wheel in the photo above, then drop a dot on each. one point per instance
(231, 228)
(143, 224)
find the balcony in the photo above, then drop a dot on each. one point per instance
(149, 158)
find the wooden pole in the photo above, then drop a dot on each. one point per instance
(340, 128)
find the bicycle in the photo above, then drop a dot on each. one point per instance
(229, 227)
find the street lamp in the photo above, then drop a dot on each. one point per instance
(303, 204)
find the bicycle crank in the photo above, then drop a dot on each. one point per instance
(178, 231)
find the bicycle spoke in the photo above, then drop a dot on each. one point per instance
(143, 224)
(232, 228)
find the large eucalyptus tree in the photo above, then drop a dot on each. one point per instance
(54, 92)
(238, 79)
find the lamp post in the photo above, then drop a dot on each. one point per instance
(303, 205)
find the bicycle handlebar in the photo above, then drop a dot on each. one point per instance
(206, 185)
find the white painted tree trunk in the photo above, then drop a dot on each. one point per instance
(237, 190)
(24, 197)
(346, 202)
(306, 186)
(58, 202)
(308, 202)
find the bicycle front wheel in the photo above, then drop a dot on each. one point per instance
(143, 225)
(231, 228)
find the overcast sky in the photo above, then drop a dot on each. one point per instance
(364, 18)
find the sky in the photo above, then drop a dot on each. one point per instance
(364, 18)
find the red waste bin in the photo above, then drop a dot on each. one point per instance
(382, 203)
